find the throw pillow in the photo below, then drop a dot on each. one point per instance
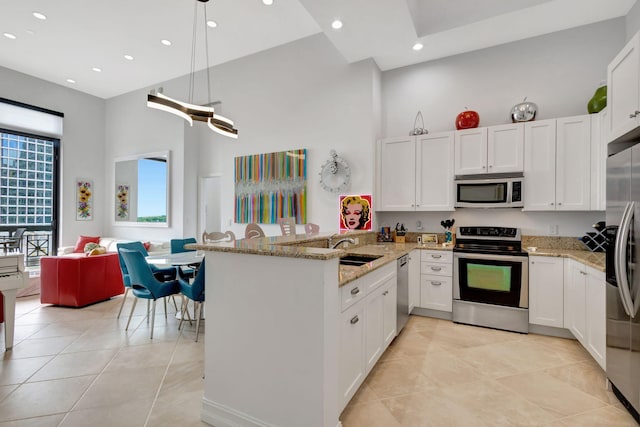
(83, 240)
(90, 246)
(146, 245)
(100, 250)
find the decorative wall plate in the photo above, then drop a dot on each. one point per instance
(335, 174)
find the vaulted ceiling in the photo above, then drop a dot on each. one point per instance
(79, 37)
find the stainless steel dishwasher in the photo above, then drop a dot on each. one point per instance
(403, 292)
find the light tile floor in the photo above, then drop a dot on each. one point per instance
(79, 367)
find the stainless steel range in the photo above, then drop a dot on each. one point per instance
(491, 278)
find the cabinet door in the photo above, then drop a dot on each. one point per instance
(540, 165)
(575, 297)
(471, 151)
(389, 313)
(374, 318)
(546, 290)
(396, 174)
(623, 75)
(351, 369)
(599, 161)
(436, 292)
(434, 172)
(573, 163)
(414, 279)
(596, 316)
(505, 148)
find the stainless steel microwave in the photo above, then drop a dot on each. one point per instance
(492, 192)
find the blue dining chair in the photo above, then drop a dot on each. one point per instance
(144, 284)
(195, 292)
(162, 274)
(177, 245)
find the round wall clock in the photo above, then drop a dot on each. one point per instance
(335, 174)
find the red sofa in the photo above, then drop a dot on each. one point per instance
(76, 281)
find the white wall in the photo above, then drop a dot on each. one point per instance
(82, 145)
(300, 95)
(559, 72)
(632, 21)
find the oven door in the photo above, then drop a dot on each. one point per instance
(491, 279)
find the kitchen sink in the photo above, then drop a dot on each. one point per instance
(358, 259)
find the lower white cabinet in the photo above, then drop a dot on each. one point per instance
(584, 308)
(367, 326)
(352, 369)
(436, 280)
(414, 279)
(546, 291)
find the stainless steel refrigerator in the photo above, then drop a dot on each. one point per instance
(623, 276)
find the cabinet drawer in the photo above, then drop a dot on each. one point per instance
(359, 288)
(437, 256)
(436, 269)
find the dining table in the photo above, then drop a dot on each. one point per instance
(190, 258)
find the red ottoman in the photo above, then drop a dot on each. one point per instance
(79, 280)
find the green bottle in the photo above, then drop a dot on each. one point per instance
(599, 99)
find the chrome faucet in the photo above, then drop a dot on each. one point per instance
(346, 239)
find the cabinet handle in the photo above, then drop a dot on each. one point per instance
(417, 206)
(412, 205)
(484, 167)
(385, 293)
(436, 268)
(355, 291)
(355, 319)
(635, 113)
(436, 256)
(559, 203)
(436, 283)
(490, 166)
(551, 203)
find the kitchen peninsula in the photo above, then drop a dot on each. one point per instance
(273, 327)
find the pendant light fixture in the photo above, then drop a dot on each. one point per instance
(188, 110)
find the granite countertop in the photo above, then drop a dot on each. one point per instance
(592, 259)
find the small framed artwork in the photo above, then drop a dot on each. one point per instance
(122, 202)
(430, 238)
(355, 212)
(84, 200)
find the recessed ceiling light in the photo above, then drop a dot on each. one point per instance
(418, 46)
(166, 42)
(10, 36)
(212, 24)
(71, 81)
(96, 69)
(336, 24)
(40, 15)
(128, 57)
(267, 2)
(31, 32)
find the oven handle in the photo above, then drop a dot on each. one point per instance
(517, 258)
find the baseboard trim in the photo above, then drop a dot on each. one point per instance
(219, 415)
(428, 312)
(551, 331)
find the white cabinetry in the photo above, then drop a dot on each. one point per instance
(414, 279)
(623, 89)
(415, 173)
(599, 139)
(557, 164)
(585, 308)
(436, 280)
(496, 149)
(367, 326)
(546, 289)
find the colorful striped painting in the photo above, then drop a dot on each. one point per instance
(271, 186)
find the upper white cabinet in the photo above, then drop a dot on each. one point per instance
(496, 149)
(599, 140)
(415, 173)
(557, 164)
(623, 89)
(396, 174)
